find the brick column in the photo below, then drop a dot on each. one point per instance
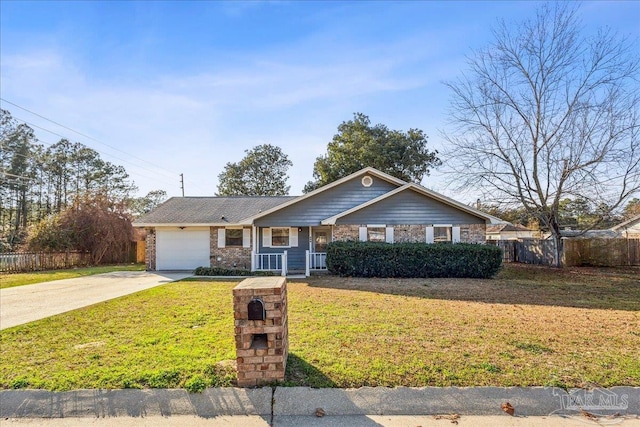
(262, 346)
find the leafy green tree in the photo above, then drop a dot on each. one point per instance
(37, 181)
(358, 144)
(17, 142)
(632, 209)
(142, 205)
(262, 172)
(546, 113)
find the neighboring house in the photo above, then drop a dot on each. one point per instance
(509, 232)
(290, 234)
(629, 228)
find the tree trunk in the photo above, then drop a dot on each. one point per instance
(557, 240)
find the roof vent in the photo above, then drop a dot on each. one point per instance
(367, 181)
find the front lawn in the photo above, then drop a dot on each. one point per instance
(19, 279)
(529, 326)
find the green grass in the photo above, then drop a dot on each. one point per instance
(20, 279)
(529, 326)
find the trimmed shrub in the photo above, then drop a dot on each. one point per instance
(220, 271)
(366, 259)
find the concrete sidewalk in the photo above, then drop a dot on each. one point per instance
(330, 421)
(24, 304)
(297, 406)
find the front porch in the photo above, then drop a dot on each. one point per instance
(290, 250)
(278, 262)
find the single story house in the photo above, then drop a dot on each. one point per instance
(508, 231)
(290, 234)
(629, 228)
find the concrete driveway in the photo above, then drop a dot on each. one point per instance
(24, 304)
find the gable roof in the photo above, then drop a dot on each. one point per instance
(244, 210)
(421, 190)
(207, 211)
(365, 171)
(630, 222)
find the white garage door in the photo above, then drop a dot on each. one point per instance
(185, 249)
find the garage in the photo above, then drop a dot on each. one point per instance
(182, 249)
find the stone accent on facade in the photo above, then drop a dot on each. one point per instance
(150, 249)
(476, 233)
(345, 232)
(230, 257)
(262, 346)
(409, 233)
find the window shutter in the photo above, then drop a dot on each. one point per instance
(389, 235)
(363, 234)
(266, 237)
(455, 234)
(429, 234)
(246, 237)
(221, 236)
(293, 237)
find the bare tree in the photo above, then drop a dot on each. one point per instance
(545, 113)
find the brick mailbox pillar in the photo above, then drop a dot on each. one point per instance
(260, 312)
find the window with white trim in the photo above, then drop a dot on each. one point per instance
(233, 237)
(442, 234)
(280, 236)
(376, 233)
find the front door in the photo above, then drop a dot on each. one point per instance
(318, 246)
(320, 240)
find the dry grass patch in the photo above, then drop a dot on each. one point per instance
(530, 326)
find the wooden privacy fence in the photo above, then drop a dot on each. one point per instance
(601, 252)
(527, 251)
(596, 252)
(17, 262)
(140, 251)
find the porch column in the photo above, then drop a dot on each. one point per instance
(254, 247)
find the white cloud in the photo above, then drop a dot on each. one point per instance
(293, 97)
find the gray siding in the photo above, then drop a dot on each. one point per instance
(295, 256)
(311, 211)
(409, 207)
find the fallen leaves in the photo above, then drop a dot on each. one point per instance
(508, 408)
(451, 417)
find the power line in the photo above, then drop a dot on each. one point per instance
(106, 154)
(84, 135)
(15, 176)
(162, 173)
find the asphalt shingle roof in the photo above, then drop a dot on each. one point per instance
(209, 210)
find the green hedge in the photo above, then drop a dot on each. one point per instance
(219, 271)
(365, 259)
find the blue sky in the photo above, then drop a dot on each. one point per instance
(165, 88)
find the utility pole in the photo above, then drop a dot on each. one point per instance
(182, 183)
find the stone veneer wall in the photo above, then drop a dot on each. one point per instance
(476, 233)
(469, 233)
(232, 257)
(409, 233)
(150, 249)
(345, 232)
